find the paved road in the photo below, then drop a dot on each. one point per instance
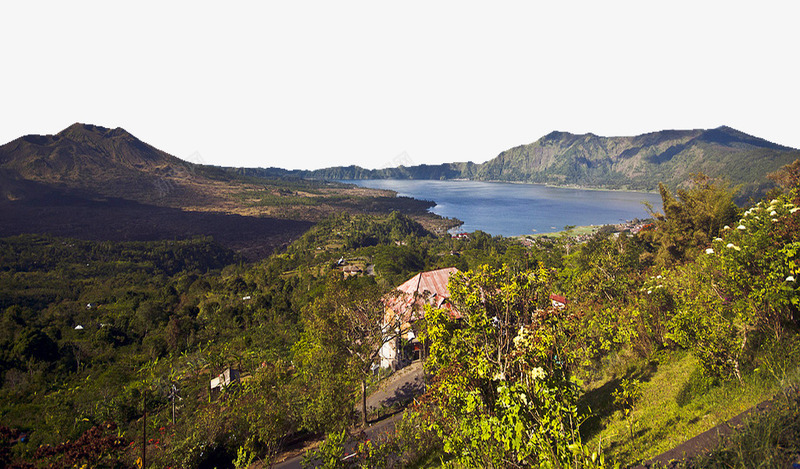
(399, 387)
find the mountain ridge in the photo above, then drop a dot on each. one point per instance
(111, 162)
(637, 162)
(93, 182)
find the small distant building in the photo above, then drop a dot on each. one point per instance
(225, 378)
(246, 298)
(558, 301)
(350, 270)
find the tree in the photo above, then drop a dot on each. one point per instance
(743, 292)
(691, 220)
(603, 269)
(35, 344)
(788, 177)
(345, 329)
(501, 374)
(264, 404)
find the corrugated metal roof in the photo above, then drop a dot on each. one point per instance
(434, 282)
(558, 298)
(425, 287)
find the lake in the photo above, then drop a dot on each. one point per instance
(517, 209)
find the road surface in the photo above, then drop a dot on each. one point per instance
(399, 387)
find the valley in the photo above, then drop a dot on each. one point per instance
(96, 183)
(156, 313)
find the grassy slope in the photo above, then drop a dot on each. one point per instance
(676, 404)
(770, 439)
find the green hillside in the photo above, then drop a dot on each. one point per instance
(109, 347)
(640, 163)
(666, 333)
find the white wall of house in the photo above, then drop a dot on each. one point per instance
(388, 354)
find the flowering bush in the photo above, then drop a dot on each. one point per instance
(742, 292)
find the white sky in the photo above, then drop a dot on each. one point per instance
(311, 84)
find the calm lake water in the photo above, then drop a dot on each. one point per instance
(518, 209)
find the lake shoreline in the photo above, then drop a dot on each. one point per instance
(519, 209)
(493, 181)
(556, 186)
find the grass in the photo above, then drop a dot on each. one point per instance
(771, 439)
(269, 199)
(575, 231)
(677, 403)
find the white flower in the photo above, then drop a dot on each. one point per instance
(649, 291)
(726, 227)
(741, 227)
(773, 213)
(794, 210)
(717, 239)
(732, 246)
(709, 251)
(790, 278)
(538, 373)
(774, 219)
(658, 276)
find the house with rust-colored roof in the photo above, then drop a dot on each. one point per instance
(408, 306)
(558, 301)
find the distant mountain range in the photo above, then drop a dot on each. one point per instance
(588, 160)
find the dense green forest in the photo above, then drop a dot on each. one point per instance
(108, 348)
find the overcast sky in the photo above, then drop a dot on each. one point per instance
(311, 84)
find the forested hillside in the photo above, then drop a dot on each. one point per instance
(109, 348)
(93, 329)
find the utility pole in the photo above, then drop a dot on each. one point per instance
(172, 395)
